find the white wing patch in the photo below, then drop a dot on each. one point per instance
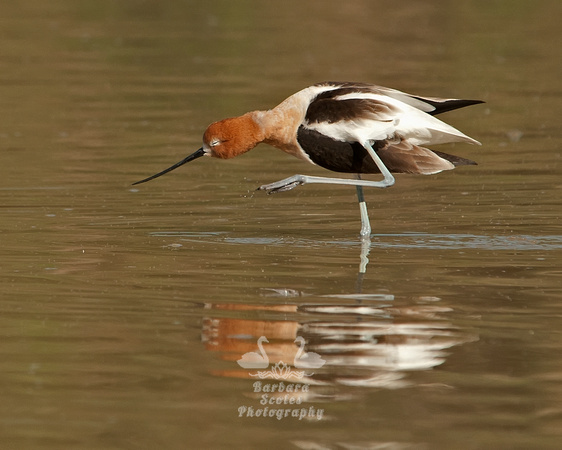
(398, 119)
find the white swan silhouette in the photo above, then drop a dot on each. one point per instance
(253, 360)
(309, 360)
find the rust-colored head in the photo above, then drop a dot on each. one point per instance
(232, 137)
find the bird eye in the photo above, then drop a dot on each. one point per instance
(214, 142)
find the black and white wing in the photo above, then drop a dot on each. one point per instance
(343, 116)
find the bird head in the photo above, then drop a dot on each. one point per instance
(224, 139)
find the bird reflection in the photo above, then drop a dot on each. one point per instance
(357, 340)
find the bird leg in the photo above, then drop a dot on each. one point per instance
(297, 180)
(365, 223)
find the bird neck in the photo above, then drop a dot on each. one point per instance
(249, 128)
(280, 126)
(260, 346)
(300, 350)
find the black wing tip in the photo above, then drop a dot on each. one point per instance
(466, 162)
(448, 105)
(471, 102)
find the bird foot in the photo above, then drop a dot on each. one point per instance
(281, 186)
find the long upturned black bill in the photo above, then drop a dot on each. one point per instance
(191, 157)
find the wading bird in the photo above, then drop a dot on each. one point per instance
(345, 127)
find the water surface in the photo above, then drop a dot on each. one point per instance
(124, 309)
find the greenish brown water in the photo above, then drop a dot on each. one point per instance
(123, 310)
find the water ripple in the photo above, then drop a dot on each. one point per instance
(404, 240)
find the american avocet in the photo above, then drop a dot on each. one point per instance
(344, 127)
